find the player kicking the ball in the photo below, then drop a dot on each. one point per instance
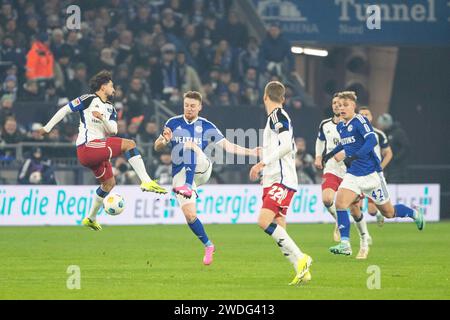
(189, 135)
(364, 174)
(279, 179)
(95, 147)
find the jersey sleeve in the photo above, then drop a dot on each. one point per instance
(321, 135)
(383, 140)
(279, 122)
(170, 124)
(363, 126)
(113, 116)
(81, 103)
(212, 133)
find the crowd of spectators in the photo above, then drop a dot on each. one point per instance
(156, 50)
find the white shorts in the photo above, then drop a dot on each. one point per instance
(373, 186)
(202, 174)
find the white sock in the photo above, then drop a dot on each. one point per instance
(287, 246)
(361, 226)
(97, 203)
(139, 167)
(332, 211)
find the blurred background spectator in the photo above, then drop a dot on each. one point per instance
(163, 171)
(400, 144)
(156, 50)
(123, 173)
(304, 163)
(36, 169)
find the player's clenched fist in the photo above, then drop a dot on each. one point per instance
(255, 171)
(42, 132)
(318, 163)
(167, 134)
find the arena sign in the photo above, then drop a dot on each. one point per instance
(230, 204)
(412, 22)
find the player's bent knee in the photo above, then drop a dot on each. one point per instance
(131, 144)
(190, 218)
(128, 144)
(327, 202)
(327, 198)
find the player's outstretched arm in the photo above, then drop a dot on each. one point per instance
(59, 115)
(238, 150)
(163, 140)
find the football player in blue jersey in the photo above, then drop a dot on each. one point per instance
(189, 135)
(364, 173)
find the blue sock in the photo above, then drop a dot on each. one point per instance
(270, 229)
(101, 193)
(131, 153)
(344, 224)
(190, 163)
(402, 211)
(197, 228)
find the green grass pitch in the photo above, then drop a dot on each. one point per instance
(164, 262)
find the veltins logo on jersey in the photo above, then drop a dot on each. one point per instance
(350, 128)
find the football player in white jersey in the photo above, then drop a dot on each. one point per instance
(333, 173)
(279, 179)
(96, 147)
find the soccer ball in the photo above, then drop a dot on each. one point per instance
(114, 204)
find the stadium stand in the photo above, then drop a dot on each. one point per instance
(156, 50)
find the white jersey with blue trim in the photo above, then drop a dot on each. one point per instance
(282, 171)
(91, 128)
(383, 142)
(329, 134)
(353, 135)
